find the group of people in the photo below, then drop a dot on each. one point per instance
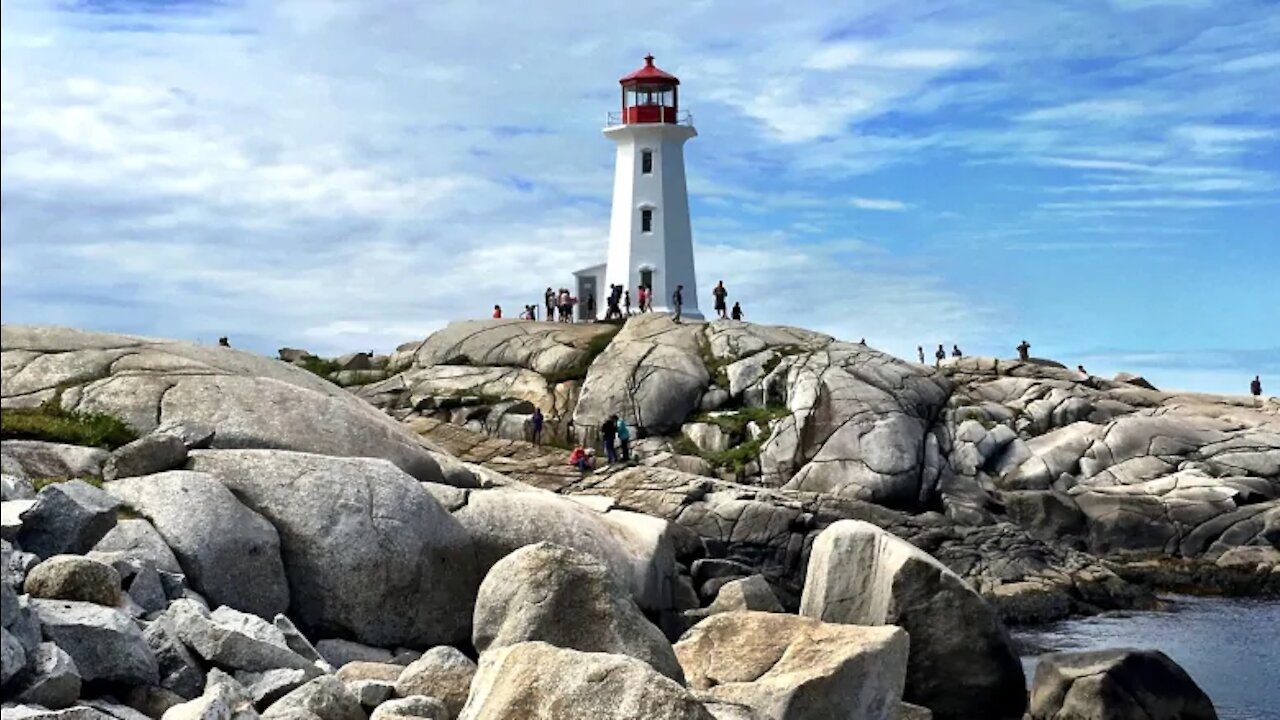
(615, 438)
(560, 304)
(938, 356)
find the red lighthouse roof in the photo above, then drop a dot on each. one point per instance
(650, 73)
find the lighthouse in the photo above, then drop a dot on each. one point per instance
(650, 237)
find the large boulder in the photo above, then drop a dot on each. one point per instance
(38, 459)
(147, 455)
(636, 548)
(104, 643)
(538, 681)
(136, 539)
(554, 594)
(368, 552)
(253, 401)
(443, 673)
(51, 678)
(1116, 685)
(73, 577)
(544, 348)
(794, 668)
(232, 639)
(652, 375)
(231, 554)
(962, 663)
(326, 698)
(748, 593)
(68, 517)
(420, 707)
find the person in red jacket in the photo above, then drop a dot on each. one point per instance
(497, 312)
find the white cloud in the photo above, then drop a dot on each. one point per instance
(878, 204)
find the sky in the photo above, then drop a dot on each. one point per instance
(1101, 178)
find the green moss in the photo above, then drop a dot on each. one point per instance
(578, 371)
(50, 423)
(744, 449)
(735, 422)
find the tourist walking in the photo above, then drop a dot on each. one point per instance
(677, 302)
(549, 297)
(224, 342)
(1024, 350)
(736, 313)
(626, 302)
(643, 297)
(1255, 389)
(720, 293)
(535, 426)
(1085, 373)
(920, 353)
(608, 438)
(955, 351)
(624, 439)
(939, 356)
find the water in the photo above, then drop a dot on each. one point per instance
(1231, 647)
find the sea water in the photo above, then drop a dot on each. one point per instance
(1231, 647)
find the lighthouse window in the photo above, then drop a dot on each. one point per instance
(646, 221)
(646, 161)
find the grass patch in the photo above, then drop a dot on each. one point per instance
(743, 449)
(578, 371)
(320, 366)
(50, 423)
(735, 422)
(41, 483)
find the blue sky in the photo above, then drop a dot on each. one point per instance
(1101, 178)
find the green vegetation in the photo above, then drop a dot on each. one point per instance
(50, 423)
(41, 483)
(578, 371)
(743, 449)
(715, 366)
(320, 366)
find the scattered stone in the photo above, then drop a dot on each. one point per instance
(50, 678)
(149, 454)
(104, 643)
(180, 672)
(74, 577)
(68, 517)
(232, 639)
(299, 643)
(443, 673)
(13, 657)
(267, 687)
(569, 599)
(147, 589)
(231, 553)
(325, 697)
(749, 593)
(136, 539)
(415, 707)
(16, 487)
(194, 435)
(224, 698)
(962, 664)
(360, 670)
(38, 459)
(1116, 685)
(338, 652)
(538, 681)
(794, 668)
(371, 693)
(152, 700)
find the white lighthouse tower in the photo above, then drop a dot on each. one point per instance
(650, 238)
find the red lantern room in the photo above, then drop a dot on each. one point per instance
(650, 95)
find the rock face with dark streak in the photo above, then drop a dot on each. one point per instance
(1118, 684)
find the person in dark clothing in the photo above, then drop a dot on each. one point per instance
(955, 351)
(535, 426)
(1080, 369)
(608, 438)
(626, 302)
(736, 313)
(677, 302)
(224, 342)
(939, 356)
(1255, 389)
(591, 307)
(920, 353)
(624, 438)
(1024, 350)
(550, 298)
(720, 293)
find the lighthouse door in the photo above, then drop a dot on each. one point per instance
(587, 289)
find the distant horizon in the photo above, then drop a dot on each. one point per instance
(1101, 178)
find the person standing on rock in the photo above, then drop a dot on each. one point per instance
(642, 296)
(736, 313)
(720, 293)
(549, 297)
(1255, 389)
(955, 351)
(535, 426)
(608, 438)
(939, 356)
(1084, 374)
(920, 353)
(624, 438)
(497, 312)
(677, 302)
(626, 302)
(1024, 350)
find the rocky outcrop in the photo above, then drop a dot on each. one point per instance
(539, 681)
(962, 663)
(146, 383)
(792, 668)
(1116, 685)
(368, 553)
(553, 594)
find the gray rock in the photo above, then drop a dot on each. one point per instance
(553, 594)
(267, 687)
(538, 681)
(707, 436)
(50, 679)
(147, 455)
(1048, 515)
(119, 711)
(74, 577)
(962, 663)
(104, 643)
(194, 436)
(15, 487)
(793, 668)
(232, 639)
(69, 517)
(15, 564)
(55, 460)
(338, 652)
(637, 548)
(39, 712)
(299, 643)
(231, 554)
(11, 512)
(907, 711)
(13, 657)
(136, 539)
(1116, 685)
(147, 589)
(180, 672)
(224, 698)
(152, 700)
(443, 673)
(749, 593)
(18, 619)
(369, 554)
(541, 347)
(324, 697)
(416, 706)
(360, 670)
(371, 693)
